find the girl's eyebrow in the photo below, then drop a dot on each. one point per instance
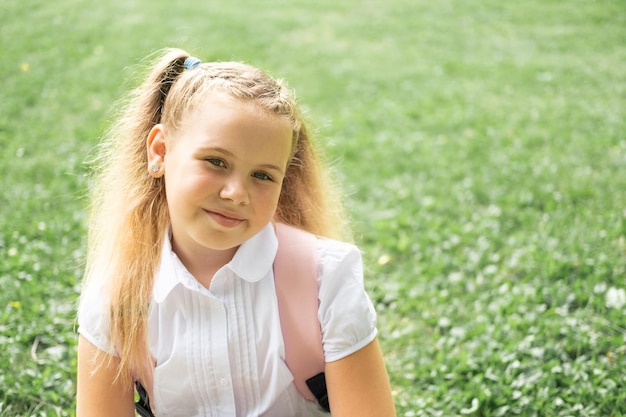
(217, 149)
(272, 168)
(228, 153)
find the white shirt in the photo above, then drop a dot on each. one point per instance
(219, 351)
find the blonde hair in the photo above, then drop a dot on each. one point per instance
(129, 214)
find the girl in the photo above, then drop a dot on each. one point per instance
(179, 293)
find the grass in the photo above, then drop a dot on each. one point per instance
(481, 145)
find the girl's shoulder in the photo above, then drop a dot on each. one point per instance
(93, 314)
(337, 254)
(346, 313)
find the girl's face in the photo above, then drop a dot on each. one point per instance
(223, 173)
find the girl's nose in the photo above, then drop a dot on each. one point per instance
(235, 190)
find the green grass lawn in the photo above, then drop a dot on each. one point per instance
(481, 144)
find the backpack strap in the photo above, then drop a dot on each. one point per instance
(295, 276)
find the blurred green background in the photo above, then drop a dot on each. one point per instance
(481, 145)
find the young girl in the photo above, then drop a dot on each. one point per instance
(179, 294)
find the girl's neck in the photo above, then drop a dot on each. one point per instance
(203, 265)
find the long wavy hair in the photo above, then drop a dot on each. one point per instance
(129, 214)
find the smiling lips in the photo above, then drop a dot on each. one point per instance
(225, 219)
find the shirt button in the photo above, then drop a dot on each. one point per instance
(224, 381)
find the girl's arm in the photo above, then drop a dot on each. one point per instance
(358, 385)
(98, 394)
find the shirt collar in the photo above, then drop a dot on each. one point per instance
(251, 262)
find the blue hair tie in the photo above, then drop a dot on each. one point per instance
(191, 62)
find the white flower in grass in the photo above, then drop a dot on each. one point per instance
(444, 322)
(615, 298)
(599, 288)
(473, 408)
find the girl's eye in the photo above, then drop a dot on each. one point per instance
(262, 176)
(216, 162)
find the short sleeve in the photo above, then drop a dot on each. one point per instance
(346, 313)
(93, 318)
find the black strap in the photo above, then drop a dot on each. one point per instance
(317, 385)
(142, 406)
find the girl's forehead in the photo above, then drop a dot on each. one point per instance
(219, 113)
(222, 102)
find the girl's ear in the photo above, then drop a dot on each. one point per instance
(156, 148)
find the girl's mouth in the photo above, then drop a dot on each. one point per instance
(225, 220)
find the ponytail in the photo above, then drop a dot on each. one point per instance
(129, 216)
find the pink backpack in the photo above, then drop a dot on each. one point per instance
(295, 279)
